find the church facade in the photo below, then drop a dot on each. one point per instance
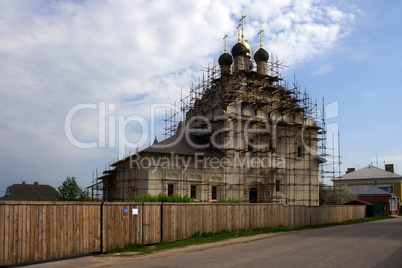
(244, 136)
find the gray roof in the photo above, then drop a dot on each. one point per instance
(30, 192)
(369, 172)
(368, 190)
(180, 145)
(184, 145)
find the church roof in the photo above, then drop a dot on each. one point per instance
(184, 145)
(369, 172)
(179, 145)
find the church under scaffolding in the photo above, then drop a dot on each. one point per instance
(242, 132)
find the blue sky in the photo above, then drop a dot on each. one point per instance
(55, 55)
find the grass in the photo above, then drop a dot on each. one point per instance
(200, 238)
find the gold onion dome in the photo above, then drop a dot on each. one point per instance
(247, 47)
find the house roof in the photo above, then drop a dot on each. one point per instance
(30, 192)
(369, 172)
(359, 202)
(368, 190)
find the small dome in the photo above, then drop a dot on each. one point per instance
(239, 50)
(225, 59)
(247, 47)
(261, 55)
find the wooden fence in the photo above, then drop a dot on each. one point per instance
(38, 231)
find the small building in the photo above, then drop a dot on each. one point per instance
(369, 206)
(30, 192)
(385, 203)
(385, 179)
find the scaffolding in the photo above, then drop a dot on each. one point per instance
(292, 183)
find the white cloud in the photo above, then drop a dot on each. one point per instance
(57, 54)
(323, 69)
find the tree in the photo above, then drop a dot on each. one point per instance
(340, 195)
(70, 191)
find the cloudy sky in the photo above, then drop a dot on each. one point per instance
(114, 59)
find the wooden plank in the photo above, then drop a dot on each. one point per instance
(40, 233)
(8, 236)
(2, 233)
(36, 232)
(31, 229)
(20, 231)
(70, 230)
(58, 240)
(107, 238)
(51, 232)
(84, 233)
(15, 236)
(92, 229)
(75, 235)
(119, 220)
(140, 220)
(98, 229)
(48, 231)
(133, 223)
(25, 234)
(64, 234)
(158, 224)
(182, 222)
(104, 229)
(167, 231)
(80, 225)
(105, 218)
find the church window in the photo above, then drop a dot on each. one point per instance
(300, 151)
(278, 186)
(214, 193)
(193, 193)
(170, 189)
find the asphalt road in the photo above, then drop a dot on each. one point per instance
(374, 244)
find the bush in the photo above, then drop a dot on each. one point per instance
(174, 198)
(230, 200)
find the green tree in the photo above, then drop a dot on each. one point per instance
(70, 191)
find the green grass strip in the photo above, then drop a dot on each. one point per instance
(200, 238)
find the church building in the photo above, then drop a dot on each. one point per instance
(243, 135)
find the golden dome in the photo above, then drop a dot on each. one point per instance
(247, 47)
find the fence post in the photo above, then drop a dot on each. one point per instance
(161, 223)
(142, 224)
(101, 227)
